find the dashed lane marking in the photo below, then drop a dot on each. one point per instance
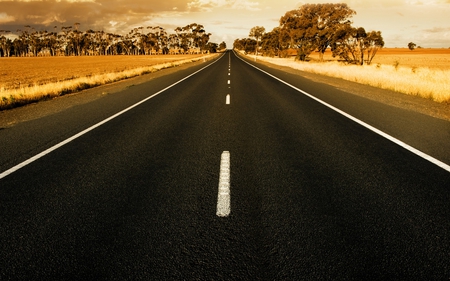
(223, 198)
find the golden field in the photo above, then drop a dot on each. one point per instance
(23, 72)
(422, 72)
(24, 80)
(431, 58)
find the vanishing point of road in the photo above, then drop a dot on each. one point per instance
(224, 171)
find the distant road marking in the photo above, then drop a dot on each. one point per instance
(223, 198)
(229, 82)
(362, 123)
(227, 100)
(47, 151)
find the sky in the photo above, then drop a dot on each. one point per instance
(424, 22)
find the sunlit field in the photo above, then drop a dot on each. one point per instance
(431, 58)
(24, 80)
(422, 72)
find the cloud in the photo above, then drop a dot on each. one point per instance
(209, 5)
(223, 18)
(89, 13)
(437, 30)
(427, 2)
(98, 14)
(246, 5)
(5, 18)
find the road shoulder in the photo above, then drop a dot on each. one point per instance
(395, 99)
(11, 117)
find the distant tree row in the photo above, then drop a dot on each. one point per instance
(315, 27)
(69, 41)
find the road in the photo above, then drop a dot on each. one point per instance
(302, 192)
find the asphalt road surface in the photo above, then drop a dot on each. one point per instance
(229, 174)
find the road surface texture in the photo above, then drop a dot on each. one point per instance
(229, 174)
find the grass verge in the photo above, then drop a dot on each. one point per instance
(424, 82)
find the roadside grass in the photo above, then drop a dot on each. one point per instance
(424, 82)
(10, 98)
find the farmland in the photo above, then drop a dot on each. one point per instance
(25, 72)
(29, 79)
(422, 72)
(430, 58)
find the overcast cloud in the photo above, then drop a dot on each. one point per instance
(424, 22)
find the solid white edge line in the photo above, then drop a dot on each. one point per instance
(223, 197)
(47, 151)
(362, 123)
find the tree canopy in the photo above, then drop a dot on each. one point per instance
(316, 27)
(257, 32)
(312, 26)
(69, 40)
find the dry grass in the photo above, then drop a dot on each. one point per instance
(422, 72)
(25, 80)
(430, 58)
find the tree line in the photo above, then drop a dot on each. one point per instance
(315, 27)
(70, 41)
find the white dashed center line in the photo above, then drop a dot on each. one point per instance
(223, 198)
(227, 100)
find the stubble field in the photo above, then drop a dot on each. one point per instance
(25, 72)
(25, 80)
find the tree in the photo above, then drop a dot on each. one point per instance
(374, 42)
(257, 32)
(222, 46)
(313, 26)
(238, 44)
(72, 41)
(5, 44)
(411, 46)
(247, 44)
(211, 47)
(352, 43)
(270, 44)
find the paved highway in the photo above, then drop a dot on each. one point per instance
(227, 173)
